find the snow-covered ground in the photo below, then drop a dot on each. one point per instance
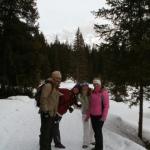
(20, 125)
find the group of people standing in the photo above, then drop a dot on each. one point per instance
(55, 102)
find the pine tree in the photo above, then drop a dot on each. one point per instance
(18, 52)
(81, 58)
(59, 55)
(127, 45)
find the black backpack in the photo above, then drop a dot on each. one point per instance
(39, 92)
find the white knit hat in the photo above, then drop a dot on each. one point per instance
(97, 81)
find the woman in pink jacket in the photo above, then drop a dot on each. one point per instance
(98, 110)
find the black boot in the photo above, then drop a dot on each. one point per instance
(84, 146)
(60, 146)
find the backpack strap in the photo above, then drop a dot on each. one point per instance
(50, 82)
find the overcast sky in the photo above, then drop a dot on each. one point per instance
(63, 17)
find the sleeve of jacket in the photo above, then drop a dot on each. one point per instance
(106, 104)
(46, 90)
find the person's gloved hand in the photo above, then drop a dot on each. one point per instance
(78, 104)
(71, 109)
(45, 114)
(102, 119)
(57, 119)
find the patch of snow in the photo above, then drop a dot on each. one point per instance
(20, 125)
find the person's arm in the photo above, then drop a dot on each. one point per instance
(46, 90)
(106, 105)
(88, 110)
(71, 102)
(79, 101)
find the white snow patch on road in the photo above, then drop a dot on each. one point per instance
(20, 126)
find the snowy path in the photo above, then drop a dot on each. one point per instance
(20, 124)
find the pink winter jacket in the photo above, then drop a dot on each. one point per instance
(95, 107)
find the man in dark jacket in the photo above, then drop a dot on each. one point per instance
(48, 108)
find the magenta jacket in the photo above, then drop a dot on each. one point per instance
(95, 107)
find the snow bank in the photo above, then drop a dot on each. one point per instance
(20, 126)
(130, 116)
(22, 98)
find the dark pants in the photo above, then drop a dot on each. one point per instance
(97, 125)
(47, 125)
(56, 133)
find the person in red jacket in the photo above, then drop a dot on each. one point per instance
(66, 102)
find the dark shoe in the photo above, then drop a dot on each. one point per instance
(84, 146)
(60, 146)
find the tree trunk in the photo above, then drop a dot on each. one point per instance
(140, 128)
